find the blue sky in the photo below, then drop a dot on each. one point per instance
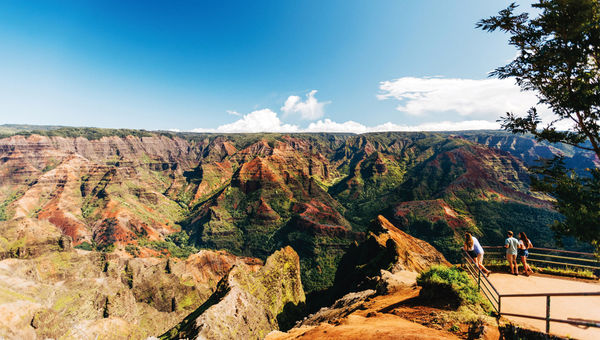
(253, 66)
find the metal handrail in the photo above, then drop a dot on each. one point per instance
(468, 257)
(552, 294)
(564, 257)
(568, 264)
(469, 267)
(568, 251)
(590, 323)
(587, 263)
(548, 319)
(471, 270)
(564, 264)
(550, 255)
(486, 282)
(547, 249)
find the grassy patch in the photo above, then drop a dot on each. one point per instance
(63, 301)
(566, 271)
(502, 265)
(176, 244)
(12, 247)
(85, 246)
(450, 285)
(8, 295)
(52, 164)
(4, 212)
(132, 249)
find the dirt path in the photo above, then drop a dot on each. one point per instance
(584, 307)
(358, 327)
(375, 320)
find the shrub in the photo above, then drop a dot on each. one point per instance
(448, 285)
(176, 244)
(132, 249)
(106, 248)
(85, 246)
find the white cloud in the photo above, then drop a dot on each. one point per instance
(267, 121)
(256, 121)
(328, 125)
(234, 113)
(416, 92)
(482, 99)
(310, 109)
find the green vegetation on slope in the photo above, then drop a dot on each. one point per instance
(494, 219)
(4, 211)
(450, 285)
(438, 234)
(88, 133)
(176, 244)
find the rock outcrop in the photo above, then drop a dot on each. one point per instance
(394, 310)
(409, 252)
(26, 238)
(385, 248)
(248, 305)
(341, 308)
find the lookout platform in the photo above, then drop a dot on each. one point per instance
(561, 307)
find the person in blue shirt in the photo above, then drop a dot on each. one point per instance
(475, 251)
(512, 245)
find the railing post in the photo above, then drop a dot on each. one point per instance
(547, 313)
(478, 278)
(499, 305)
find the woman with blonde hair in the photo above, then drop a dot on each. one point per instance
(473, 248)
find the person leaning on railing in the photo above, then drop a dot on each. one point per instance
(475, 251)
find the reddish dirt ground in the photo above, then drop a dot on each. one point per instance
(384, 326)
(383, 317)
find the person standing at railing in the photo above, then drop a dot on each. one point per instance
(524, 244)
(475, 250)
(512, 245)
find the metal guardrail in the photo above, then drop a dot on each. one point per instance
(483, 283)
(495, 298)
(553, 257)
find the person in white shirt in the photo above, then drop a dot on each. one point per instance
(475, 250)
(512, 245)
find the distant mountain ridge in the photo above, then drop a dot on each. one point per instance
(524, 147)
(529, 150)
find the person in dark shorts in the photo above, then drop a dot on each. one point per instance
(523, 252)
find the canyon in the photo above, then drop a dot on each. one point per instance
(145, 233)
